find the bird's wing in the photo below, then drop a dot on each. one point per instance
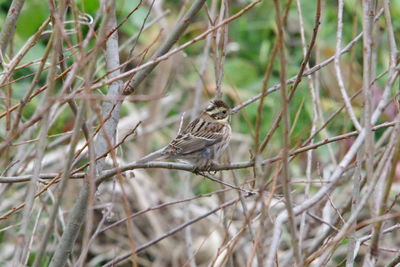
(198, 135)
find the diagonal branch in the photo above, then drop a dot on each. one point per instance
(104, 141)
(179, 29)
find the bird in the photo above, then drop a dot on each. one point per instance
(203, 140)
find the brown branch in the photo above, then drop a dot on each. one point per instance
(8, 27)
(173, 37)
(171, 232)
(314, 69)
(286, 141)
(188, 167)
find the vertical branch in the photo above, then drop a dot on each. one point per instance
(267, 76)
(110, 108)
(336, 175)
(203, 68)
(91, 175)
(34, 83)
(107, 134)
(286, 141)
(23, 236)
(315, 119)
(8, 27)
(368, 17)
(300, 237)
(190, 251)
(187, 192)
(381, 205)
(357, 178)
(381, 171)
(85, 129)
(10, 68)
(338, 71)
(179, 29)
(101, 144)
(259, 117)
(64, 249)
(296, 79)
(21, 252)
(63, 185)
(220, 49)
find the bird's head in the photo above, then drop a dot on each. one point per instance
(218, 110)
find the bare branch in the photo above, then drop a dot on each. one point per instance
(8, 27)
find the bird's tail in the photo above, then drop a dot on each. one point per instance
(153, 156)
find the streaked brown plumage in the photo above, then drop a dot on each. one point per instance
(202, 141)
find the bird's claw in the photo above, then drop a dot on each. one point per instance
(196, 170)
(206, 168)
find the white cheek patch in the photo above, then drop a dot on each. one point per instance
(214, 112)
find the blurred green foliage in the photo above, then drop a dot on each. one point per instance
(251, 38)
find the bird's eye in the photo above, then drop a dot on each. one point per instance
(224, 112)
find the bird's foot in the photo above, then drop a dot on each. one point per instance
(205, 168)
(211, 165)
(196, 170)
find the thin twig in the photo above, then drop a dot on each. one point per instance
(171, 232)
(338, 70)
(79, 210)
(382, 203)
(247, 192)
(187, 167)
(314, 69)
(335, 177)
(286, 142)
(173, 37)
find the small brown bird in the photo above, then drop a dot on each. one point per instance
(203, 141)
